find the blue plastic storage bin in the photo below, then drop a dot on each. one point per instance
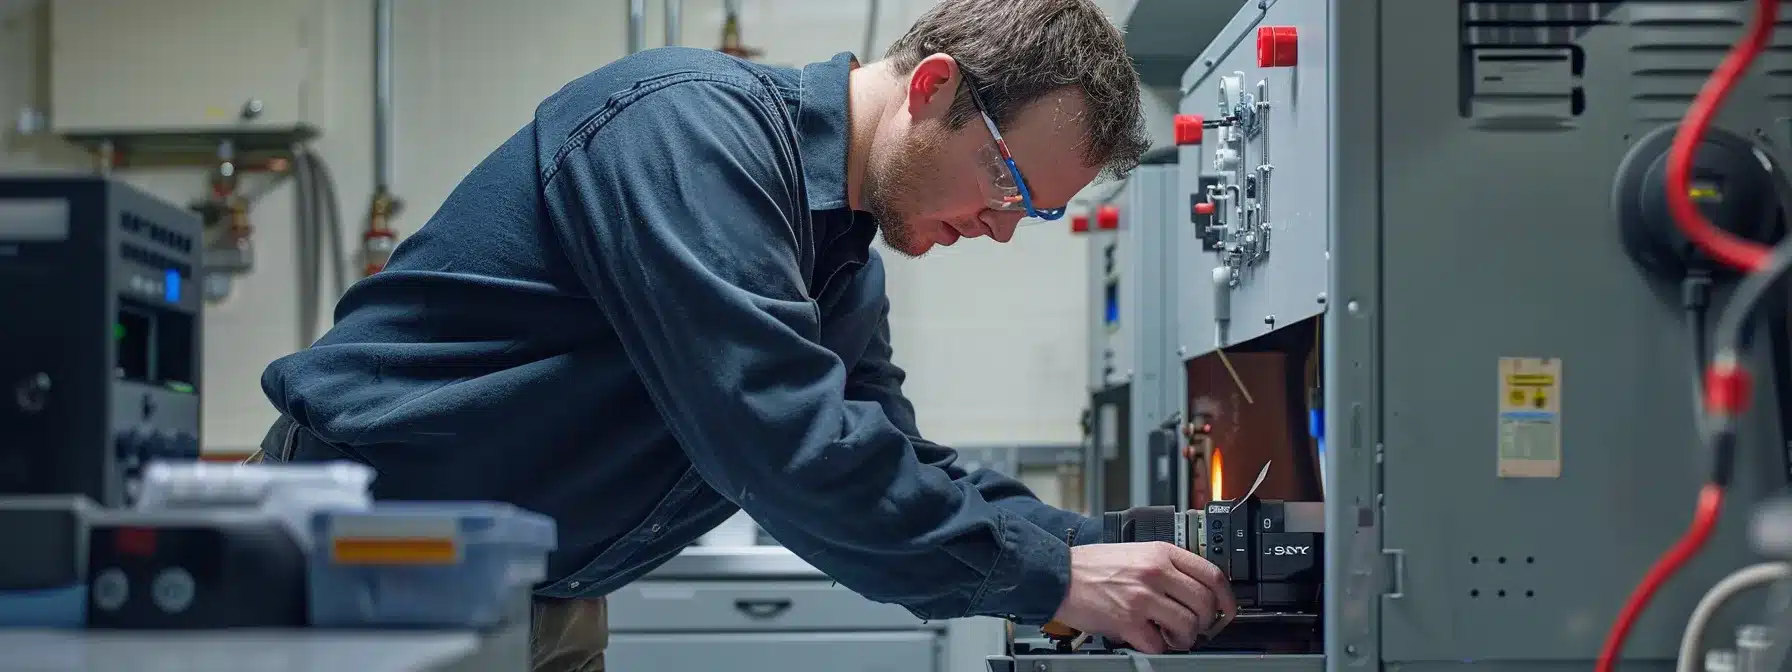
(46, 608)
(424, 564)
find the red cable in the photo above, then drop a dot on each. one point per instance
(1704, 519)
(1724, 247)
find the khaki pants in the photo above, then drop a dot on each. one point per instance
(569, 635)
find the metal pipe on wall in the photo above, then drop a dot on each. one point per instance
(378, 238)
(382, 95)
(674, 21)
(871, 18)
(637, 25)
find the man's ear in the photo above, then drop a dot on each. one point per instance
(932, 85)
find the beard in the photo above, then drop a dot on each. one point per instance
(893, 183)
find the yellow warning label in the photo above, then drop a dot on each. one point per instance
(1530, 379)
(1529, 418)
(394, 551)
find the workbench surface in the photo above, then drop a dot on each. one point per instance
(1164, 663)
(264, 651)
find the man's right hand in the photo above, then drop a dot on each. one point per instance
(1153, 595)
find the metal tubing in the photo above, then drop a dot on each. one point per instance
(674, 21)
(382, 95)
(637, 25)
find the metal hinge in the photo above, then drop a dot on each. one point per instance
(1396, 573)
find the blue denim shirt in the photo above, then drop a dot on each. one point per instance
(653, 307)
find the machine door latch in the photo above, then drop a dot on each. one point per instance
(1396, 573)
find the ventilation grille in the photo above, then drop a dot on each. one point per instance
(1527, 60)
(162, 262)
(142, 228)
(154, 246)
(1675, 44)
(1530, 24)
(1521, 61)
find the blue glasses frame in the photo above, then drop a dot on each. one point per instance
(1021, 196)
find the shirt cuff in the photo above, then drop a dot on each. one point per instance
(1089, 532)
(1031, 576)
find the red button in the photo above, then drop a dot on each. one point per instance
(1204, 208)
(1079, 223)
(1287, 46)
(1107, 218)
(138, 541)
(1188, 129)
(1278, 47)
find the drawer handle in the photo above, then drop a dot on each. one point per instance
(762, 609)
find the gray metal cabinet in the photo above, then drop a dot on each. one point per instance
(911, 651)
(791, 619)
(749, 606)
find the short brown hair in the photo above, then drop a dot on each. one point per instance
(1018, 51)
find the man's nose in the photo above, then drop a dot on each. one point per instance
(1001, 224)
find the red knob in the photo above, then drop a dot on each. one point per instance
(1107, 218)
(1204, 208)
(1079, 223)
(1188, 129)
(1278, 47)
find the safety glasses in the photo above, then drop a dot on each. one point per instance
(1009, 192)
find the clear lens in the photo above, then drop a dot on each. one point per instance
(998, 189)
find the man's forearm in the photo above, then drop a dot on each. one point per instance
(1014, 497)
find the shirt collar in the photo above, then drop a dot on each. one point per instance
(823, 130)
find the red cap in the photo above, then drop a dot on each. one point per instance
(1188, 129)
(1204, 208)
(1727, 388)
(1107, 218)
(1079, 223)
(1277, 47)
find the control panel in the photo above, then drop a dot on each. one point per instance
(1253, 133)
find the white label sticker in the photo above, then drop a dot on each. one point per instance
(34, 221)
(1530, 418)
(376, 526)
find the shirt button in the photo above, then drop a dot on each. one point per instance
(656, 529)
(574, 584)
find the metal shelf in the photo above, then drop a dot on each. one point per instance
(195, 147)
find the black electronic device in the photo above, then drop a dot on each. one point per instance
(100, 359)
(1272, 553)
(194, 569)
(1271, 550)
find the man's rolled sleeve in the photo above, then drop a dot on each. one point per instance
(878, 379)
(1030, 580)
(697, 263)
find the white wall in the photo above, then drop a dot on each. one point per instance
(991, 335)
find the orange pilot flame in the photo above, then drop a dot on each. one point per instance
(1216, 475)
